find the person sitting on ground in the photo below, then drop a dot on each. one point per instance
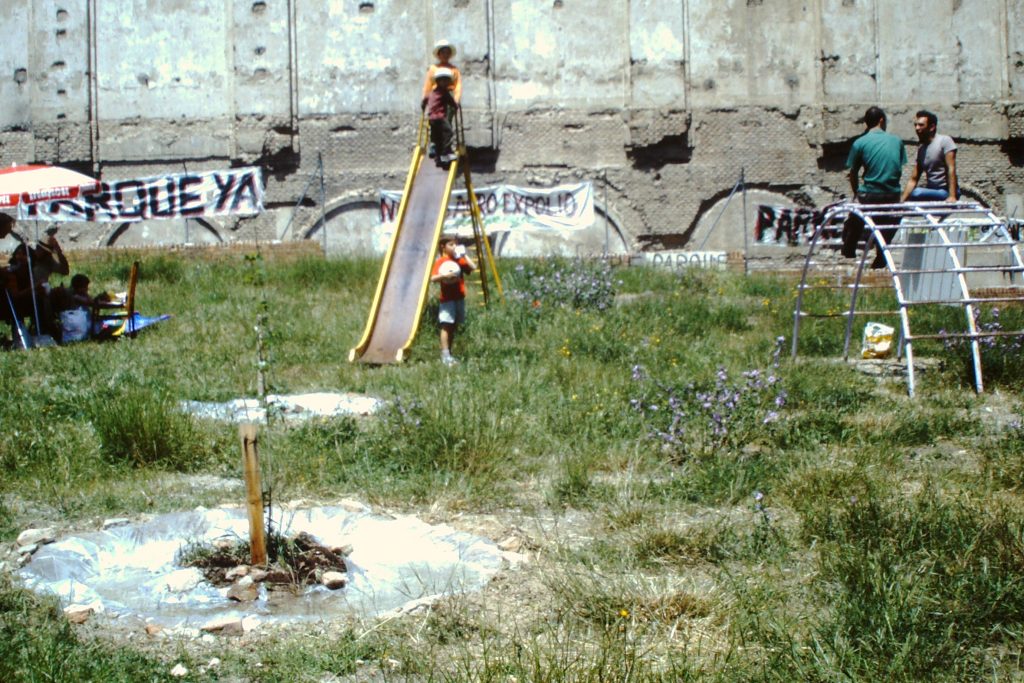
(882, 156)
(75, 308)
(440, 107)
(48, 258)
(16, 301)
(7, 227)
(452, 309)
(7, 223)
(44, 260)
(936, 161)
(28, 282)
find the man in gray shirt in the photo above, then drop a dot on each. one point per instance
(934, 176)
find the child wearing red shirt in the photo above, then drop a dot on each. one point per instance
(452, 309)
(440, 108)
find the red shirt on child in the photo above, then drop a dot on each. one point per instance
(451, 291)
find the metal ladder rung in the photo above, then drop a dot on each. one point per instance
(846, 314)
(967, 300)
(965, 335)
(966, 269)
(846, 286)
(901, 246)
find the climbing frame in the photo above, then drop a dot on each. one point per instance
(943, 254)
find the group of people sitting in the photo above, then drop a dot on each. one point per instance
(875, 165)
(63, 313)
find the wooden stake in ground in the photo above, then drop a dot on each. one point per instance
(253, 494)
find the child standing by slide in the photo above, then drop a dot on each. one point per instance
(448, 271)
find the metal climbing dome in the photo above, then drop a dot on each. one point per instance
(935, 254)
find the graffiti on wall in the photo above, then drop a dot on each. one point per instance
(238, 191)
(788, 226)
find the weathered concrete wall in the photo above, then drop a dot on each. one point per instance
(660, 102)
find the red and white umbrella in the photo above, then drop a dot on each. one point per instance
(40, 183)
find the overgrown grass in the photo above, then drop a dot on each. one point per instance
(769, 520)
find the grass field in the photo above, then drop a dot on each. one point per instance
(696, 506)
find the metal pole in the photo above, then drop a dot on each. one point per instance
(32, 283)
(323, 200)
(746, 248)
(184, 166)
(604, 192)
(302, 196)
(719, 216)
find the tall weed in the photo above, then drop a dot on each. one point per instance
(140, 427)
(922, 584)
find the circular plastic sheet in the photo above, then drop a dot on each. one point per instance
(130, 570)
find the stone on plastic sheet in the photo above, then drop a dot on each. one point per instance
(514, 559)
(183, 580)
(512, 544)
(28, 549)
(115, 522)
(72, 591)
(243, 590)
(224, 626)
(79, 613)
(334, 580)
(342, 550)
(416, 605)
(237, 572)
(350, 505)
(40, 536)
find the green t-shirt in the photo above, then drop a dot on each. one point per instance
(882, 156)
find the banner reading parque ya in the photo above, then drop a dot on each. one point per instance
(237, 191)
(507, 207)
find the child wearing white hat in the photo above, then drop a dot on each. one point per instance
(443, 51)
(452, 79)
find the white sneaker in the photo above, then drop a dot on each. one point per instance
(446, 158)
(449, 361)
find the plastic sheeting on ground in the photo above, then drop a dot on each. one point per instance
(294, 407)
(130, 570)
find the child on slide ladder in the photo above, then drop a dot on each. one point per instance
(442, 94)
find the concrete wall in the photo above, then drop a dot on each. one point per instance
(660, 102)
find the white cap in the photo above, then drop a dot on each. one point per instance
(443, 43)
(443, 72)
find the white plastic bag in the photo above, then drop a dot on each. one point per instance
(877, 341)
(74, 325)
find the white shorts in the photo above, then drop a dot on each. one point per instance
(452, 312)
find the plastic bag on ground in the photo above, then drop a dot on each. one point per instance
(877, 341)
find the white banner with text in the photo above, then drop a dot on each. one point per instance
(506, 207)
(238, 192)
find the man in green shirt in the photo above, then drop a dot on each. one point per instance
(881, 156)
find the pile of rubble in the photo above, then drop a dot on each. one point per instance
(307, 562)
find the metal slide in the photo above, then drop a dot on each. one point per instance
(404, 279)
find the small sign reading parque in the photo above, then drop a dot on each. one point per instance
(677, 260)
